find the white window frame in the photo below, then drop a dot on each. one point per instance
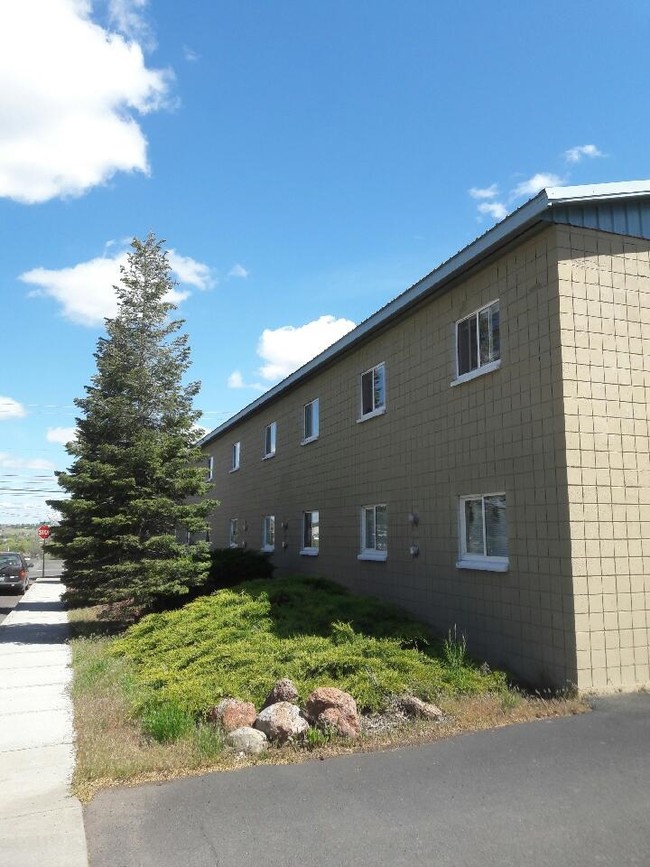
(268, 533)
(370, 550)
(314, 414)
(310, 541)
(472, 560)
(233, 533)
(210, 474)
(371, 374)
(486, 365)
(270, 440)
(235, 457)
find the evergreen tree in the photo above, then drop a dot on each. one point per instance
(137, 483)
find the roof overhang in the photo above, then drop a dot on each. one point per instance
(535, 211)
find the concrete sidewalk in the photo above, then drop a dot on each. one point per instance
(40, 821)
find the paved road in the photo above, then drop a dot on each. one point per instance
(8, 601)
(570, 792)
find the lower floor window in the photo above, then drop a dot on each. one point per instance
(374, 532)
(268, 533)
(233, 533)
(483, 532)
(310, 533)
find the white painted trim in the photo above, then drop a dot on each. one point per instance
(309, 552)
(485, 564)
(490, 367)
(371, 554)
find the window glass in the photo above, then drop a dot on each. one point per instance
(233, 533)
(311, 530)
(268, 531)
(311, 420)
(269, 439)
(373, 390)
(374, 530)
(496, 526)
(478, 339)
(235, 456)
(474, 527)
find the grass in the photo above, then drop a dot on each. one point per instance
(141, 697)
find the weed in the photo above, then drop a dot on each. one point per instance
(454, 649)
(166, 722)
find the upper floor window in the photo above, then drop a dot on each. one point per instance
(310, 533)
(270, 432)
(374, 532)
(235, 455)
(478, 348)
(310, 421)
(373, 391)
(483, 532)
(268, 533)
(210, 473)
(233, 533)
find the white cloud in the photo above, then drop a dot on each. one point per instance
(69, 94)
(534, 184)
(238, 271)
(190, 55)
(60, 435)
(127, 17)
(190, 271)
(7, 461)
(494, 209)
(10, 408)
(236, 380)
(574, 155)
(484, 192)
(85, 291)
(287, 348)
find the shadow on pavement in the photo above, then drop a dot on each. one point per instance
(34, 633)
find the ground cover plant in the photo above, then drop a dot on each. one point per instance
(239, 641)
(141, 697)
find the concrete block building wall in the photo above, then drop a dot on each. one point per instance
(438, 440)
(604, 291)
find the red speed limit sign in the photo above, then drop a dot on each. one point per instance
(44, 532)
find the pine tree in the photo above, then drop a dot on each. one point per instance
(137, 483)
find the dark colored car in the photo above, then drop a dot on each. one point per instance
(14, 571)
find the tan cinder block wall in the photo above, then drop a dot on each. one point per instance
(501, 432)
(604, 286)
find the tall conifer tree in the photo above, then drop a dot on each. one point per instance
(137, 483)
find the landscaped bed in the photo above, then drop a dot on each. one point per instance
(142, 699)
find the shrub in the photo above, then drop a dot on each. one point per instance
(230, 566)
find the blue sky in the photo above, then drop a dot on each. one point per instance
(305, 162)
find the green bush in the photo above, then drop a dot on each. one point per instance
(239, 641)
(231, 566)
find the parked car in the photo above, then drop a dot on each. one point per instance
(14, 571)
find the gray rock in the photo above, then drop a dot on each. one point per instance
(415, 707)
(283, 690)
(247, 740)
(281, 721)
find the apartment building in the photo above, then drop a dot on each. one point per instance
(478, 450)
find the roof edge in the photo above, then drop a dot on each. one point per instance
(526, 216)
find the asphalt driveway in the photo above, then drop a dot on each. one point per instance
(572, 791)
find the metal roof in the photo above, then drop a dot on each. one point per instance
(621, 208)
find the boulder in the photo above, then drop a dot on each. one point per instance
(329, 706)
(415, 707)
(231, 714)
(283, 690)
(281, 721)
(247, 740)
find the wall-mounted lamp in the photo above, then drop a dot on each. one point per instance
(414, 519)
(414, 550)
(285, 525)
